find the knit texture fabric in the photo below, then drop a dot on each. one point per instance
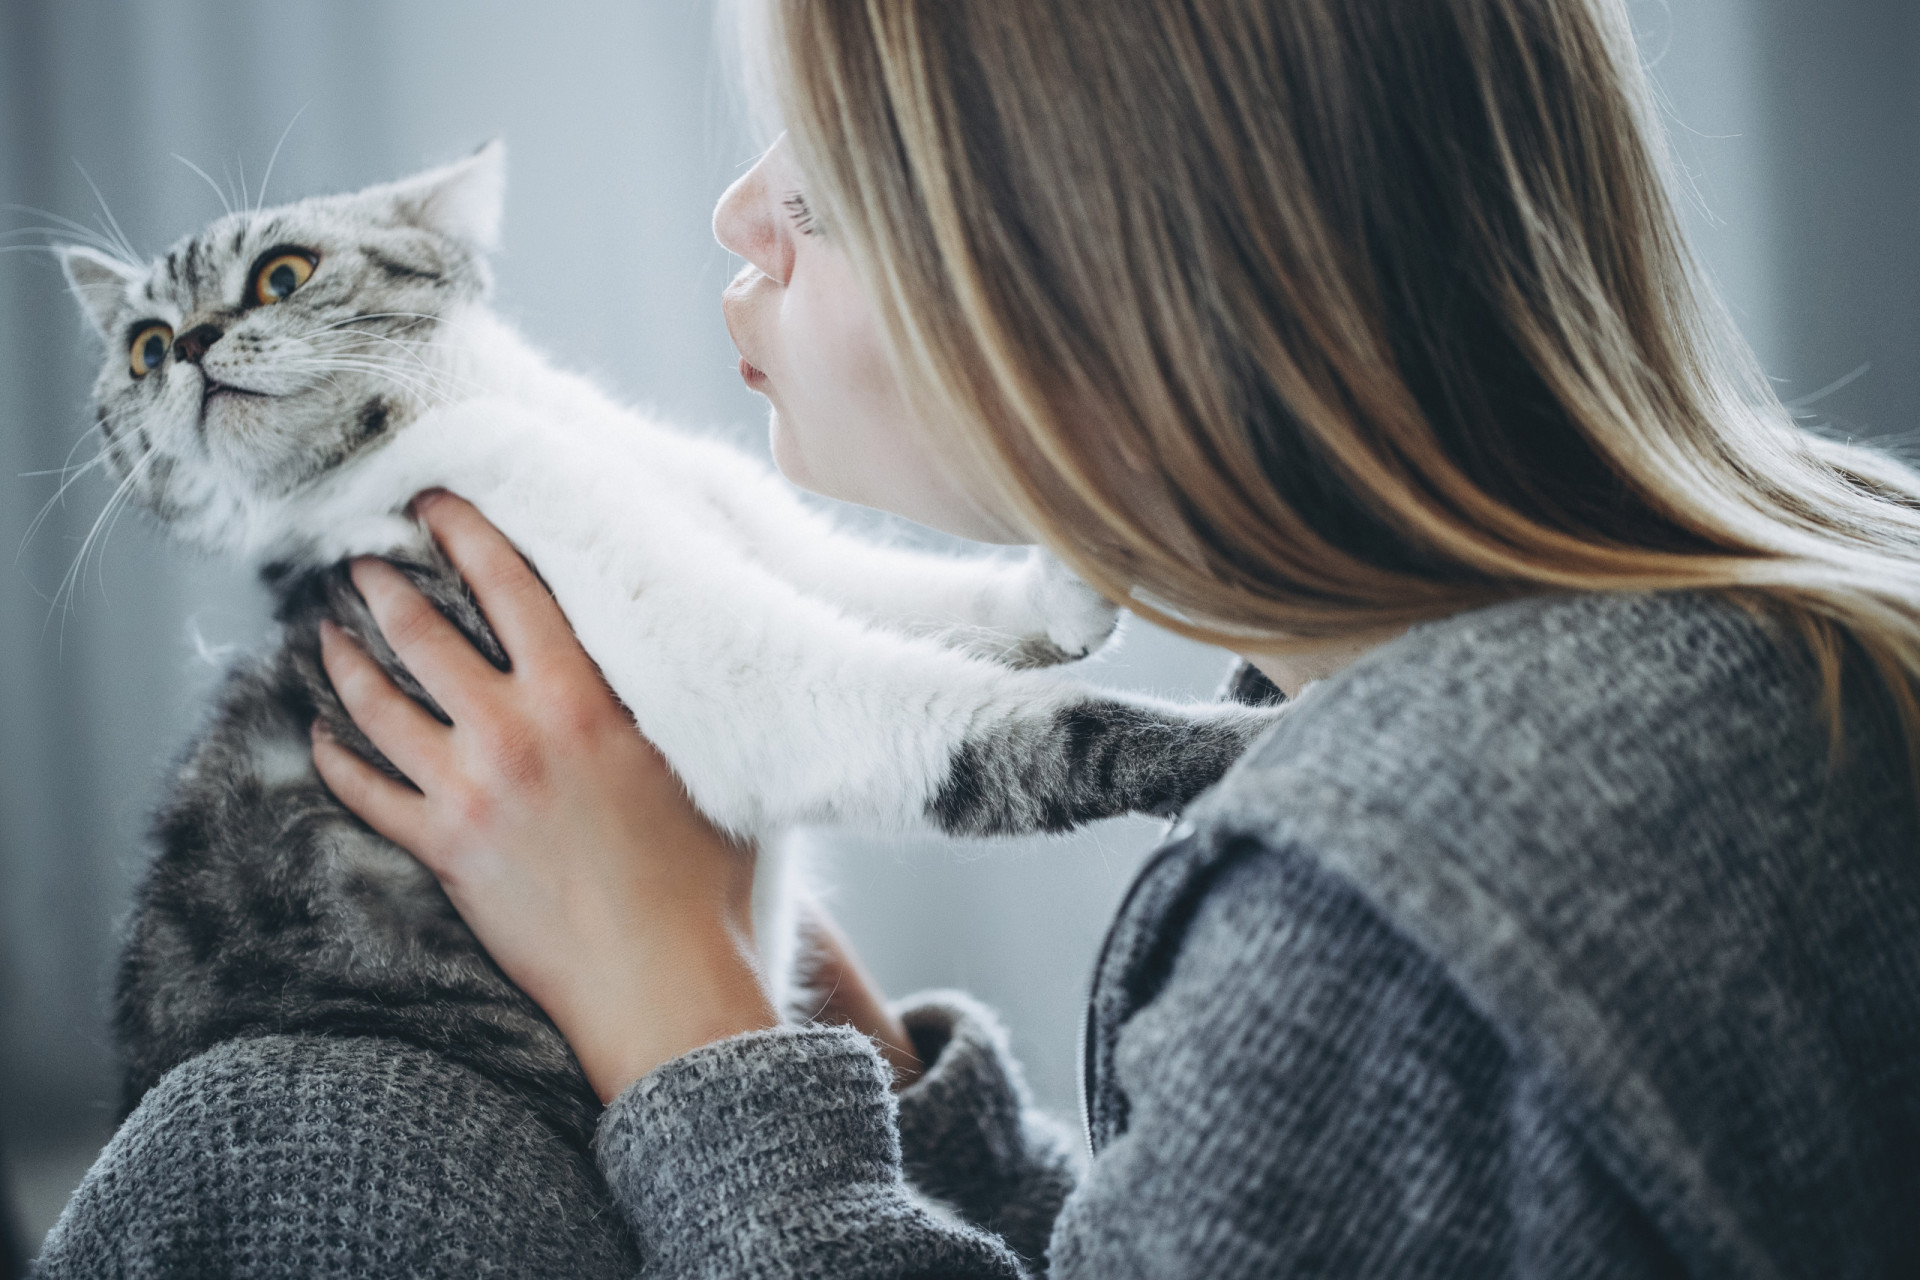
(969, 1132)
(1549, 940)
(782, 1139)
(1618, 826)
(293, 1156)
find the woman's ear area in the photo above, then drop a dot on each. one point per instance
(463, 201)
(98, 282)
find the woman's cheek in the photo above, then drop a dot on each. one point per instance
(823, 426)
(841, 426)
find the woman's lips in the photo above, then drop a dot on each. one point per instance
(752, 376)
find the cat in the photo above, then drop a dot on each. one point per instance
(279, 386)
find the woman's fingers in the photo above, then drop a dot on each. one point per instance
(440, 658)
(393, 722)
(395, 811)
(522, 612)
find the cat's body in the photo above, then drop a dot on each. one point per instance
(270, 909)
(790, 673)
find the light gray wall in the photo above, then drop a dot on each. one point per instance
(1799, 122)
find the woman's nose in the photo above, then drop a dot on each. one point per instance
(744, 225)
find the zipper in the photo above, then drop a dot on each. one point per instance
(1176, 839)
(1080, 1077)
(1182, 831)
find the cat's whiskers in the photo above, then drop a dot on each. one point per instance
(411, 351)
(419, 396)
(100, 562)
(274, 159)
(70, 476)
(373, 367)
(364, 316)
(324, 369)
(434, 381)
(70, 581)
(225, 203)
(67, 228)
(239, 197)
(349, 326)
(125, 250)
(67, 464)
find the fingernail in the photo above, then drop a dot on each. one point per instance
(423, 502)
(320, 732)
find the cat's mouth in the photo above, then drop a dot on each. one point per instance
(212, 389)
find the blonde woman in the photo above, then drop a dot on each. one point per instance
(1570, 922)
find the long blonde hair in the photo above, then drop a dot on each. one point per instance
(1295, 318)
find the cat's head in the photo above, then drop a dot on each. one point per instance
(257, 356)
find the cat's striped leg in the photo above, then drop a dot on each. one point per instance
(777, 709)
(1090, 756)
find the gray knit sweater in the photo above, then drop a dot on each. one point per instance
(1550, 940)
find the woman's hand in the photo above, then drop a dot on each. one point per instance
(558, 832)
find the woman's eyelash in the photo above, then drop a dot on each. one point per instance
(802, 214)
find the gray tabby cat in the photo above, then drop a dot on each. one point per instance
(281, 384)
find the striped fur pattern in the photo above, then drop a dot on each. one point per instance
(791, 673)
(270, 909)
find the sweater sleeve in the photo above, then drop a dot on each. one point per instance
(1305, 1093)
(970, 1135)
(777, 1154)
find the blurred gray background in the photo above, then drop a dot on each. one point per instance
(1797, 120)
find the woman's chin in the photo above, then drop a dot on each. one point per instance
(787, 457)
(868, 480)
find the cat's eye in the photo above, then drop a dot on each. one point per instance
(278, 273)
(149, 348)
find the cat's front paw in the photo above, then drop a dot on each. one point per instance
(1077, 618)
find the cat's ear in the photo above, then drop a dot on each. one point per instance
(98, 282)
(462, 200)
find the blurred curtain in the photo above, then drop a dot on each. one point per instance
(620, 137)
(13, 1253)
(1796, 117)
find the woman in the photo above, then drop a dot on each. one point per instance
(1570, 922)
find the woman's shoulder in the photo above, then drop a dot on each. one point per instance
(1608, 789)
(320, 1156)
(1616, 825)
(1592, 715)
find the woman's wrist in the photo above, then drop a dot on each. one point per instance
(683, 988)
(853, 998)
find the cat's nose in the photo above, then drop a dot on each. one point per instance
(193, 344)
